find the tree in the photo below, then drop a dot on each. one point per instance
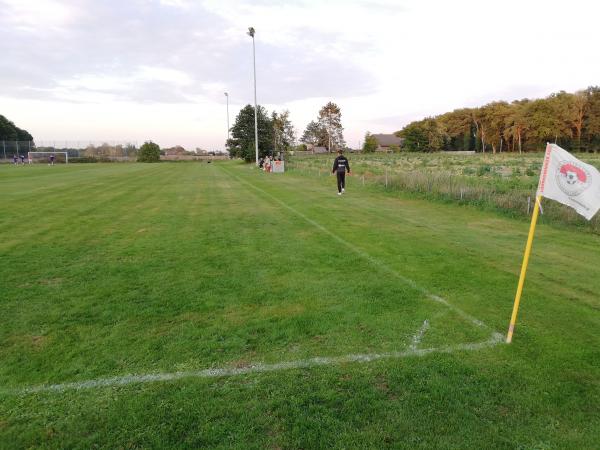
(591, 121)
(427, 135)
(415, 138)
(284, 135)
(370, 144)
(492, 119)
(315, 134)
(241, 144)
(458, 126)
(543, 124)
(10, 132)
(149, 152)
(330, 119)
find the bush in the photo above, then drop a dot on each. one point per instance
(482, 170)
(149, 152)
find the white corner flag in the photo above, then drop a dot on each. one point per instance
(569, 181)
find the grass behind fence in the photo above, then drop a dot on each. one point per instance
(502, 182)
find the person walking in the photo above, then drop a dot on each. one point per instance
(341, 165)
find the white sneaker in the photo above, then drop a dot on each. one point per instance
(343, 190)
(339, 193)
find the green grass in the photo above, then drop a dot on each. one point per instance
(109, 270)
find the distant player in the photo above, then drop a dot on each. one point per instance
(51, 160)
(15, 160)
(340, 167)
(22, 159)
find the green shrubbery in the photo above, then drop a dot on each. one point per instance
(149, 152)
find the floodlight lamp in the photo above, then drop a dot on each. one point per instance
(251, 31)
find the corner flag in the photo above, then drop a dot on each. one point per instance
(569, 181)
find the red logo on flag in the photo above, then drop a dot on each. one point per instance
(572, 178)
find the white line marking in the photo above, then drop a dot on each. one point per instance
(367, 257)
(496, 339)
(416, 339)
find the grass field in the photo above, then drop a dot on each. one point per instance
(194, 305)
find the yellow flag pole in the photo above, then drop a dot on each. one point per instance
(534, 218)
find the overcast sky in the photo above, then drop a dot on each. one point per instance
(158, 69)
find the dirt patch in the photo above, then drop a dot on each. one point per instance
(382, 385)
(51, 281)
(33, 342)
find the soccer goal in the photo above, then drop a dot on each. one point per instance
(41, 157)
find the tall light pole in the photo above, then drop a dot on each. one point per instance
(227, 96)
(251, 34)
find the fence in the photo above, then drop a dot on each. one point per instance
(193, 157)
(78, 151)
(8, 149)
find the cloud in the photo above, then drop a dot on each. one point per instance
(163, 51)
(36, 16)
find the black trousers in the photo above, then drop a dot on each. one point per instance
(341, 180)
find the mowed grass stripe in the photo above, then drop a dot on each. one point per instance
(146, 288)
(82, 193)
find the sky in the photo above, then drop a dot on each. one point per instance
(137, 70)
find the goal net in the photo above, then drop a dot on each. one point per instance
(47, 157)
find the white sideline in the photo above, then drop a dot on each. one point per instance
(367, 257)
(259, 368)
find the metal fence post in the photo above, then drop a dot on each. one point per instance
(4, 148)
(528, 204)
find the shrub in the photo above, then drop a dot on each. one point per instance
(149, 152)
(482, 170)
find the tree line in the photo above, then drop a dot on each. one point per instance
(570, 120)
(10, 132)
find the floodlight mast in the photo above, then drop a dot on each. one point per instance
(227, 96)
(251, 32)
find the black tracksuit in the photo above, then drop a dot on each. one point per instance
(340, 166)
